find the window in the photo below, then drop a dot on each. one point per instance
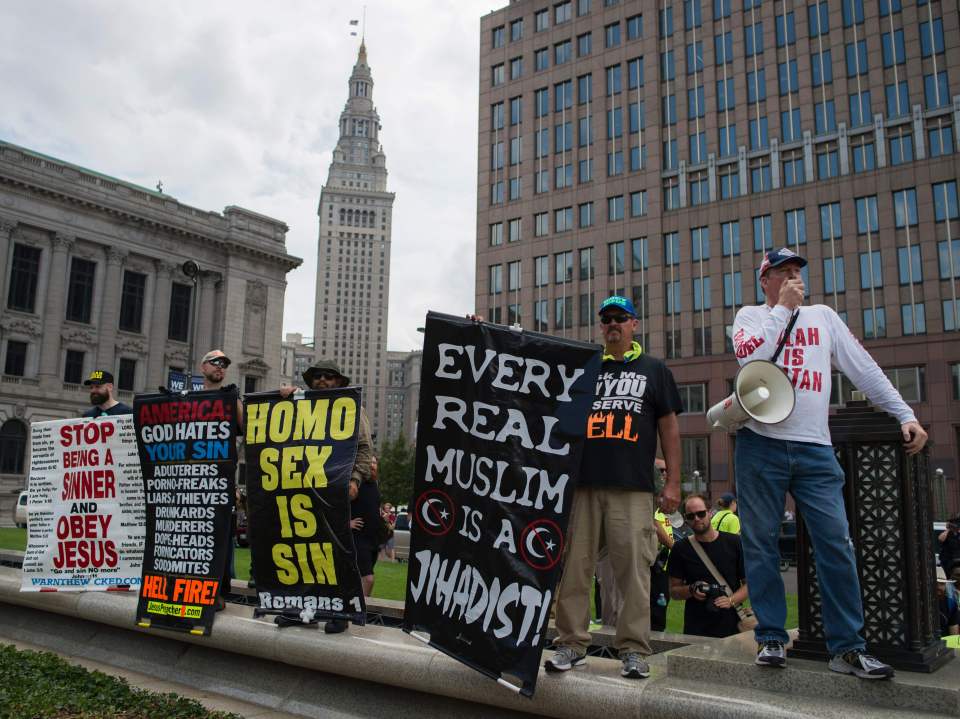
(864, 155)
(496, 156)
(514, 234)
(796, 222)
(585, 171)
(80, 290)
(931, 37)
(615, 259)
(541, 59)
(126, 374)
(635, 74)
(73, 367)
(131, 301)
(541, 20)
(939, 139)
(732, 289)
(936, 91)
(178, 327)
(905, 207)
(669, 110)
(874, 323)
(585, 212)
(670, 158)
(541, 271)
(694, 57)
(635, 27)
(513, 276)
(615, 208)
(830, 227)
(901, 145)
(833, 278)
(563, 267)
(496, 279)
(666, 22)
(563, 96)
(786, 29)
(730, 238)
(671, 248)
(701, 294)
(721, 8)
(945, 250)
(563, 313)
(496, 193)
(614, 163)
(587, 270)
(692, 14)
(852, 12)
(945, 201)
(563, 219)
(563, 137)
(668, 69)
(726, 99)
(496, 234)
(787, 77)
(856, 53)
(825, 117)
(497, 74)
(611, 35)
(516, 30)
(24, 273)
(640, 255)
(695, 104)
(753, 39)
(908, 264)
(893, 51)
(496, 39)
(727, 140)
(860, 113)
(867, 215)
(700, 243)
(672, 339)
(584, 89)
(694, 399)
(762, 233)
(638, 203)
(563, 175)
(758, 135)
(871, 272)
(562, 52)
(698, 148)
(496, 116)
(699, 188)
(584, 131)
(584, 44)
(793, 173)
(757, 86)
(818, 17)
(898, 100)
(516, 68)
(671, 193)
(951, 323)
(889, 6)
(723, 48)
(583, 7)
(821, 64)
(13, 446)
(15, 364)
(541, 224)
(672, 294)
(562, 12)
(909, 382)
(514, 188)
(614, 84)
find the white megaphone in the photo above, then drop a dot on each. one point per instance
(761, 391)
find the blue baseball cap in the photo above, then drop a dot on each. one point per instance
(775, 258)
(618, 302)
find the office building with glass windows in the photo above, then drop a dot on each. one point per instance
(656, 150)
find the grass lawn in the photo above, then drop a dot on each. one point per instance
(391, 579)
(41, 685)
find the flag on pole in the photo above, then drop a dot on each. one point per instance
(354, 22)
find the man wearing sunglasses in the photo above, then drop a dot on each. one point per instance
(707, 613)
(796, 456)
(636, 401)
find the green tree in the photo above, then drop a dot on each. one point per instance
(396, 464)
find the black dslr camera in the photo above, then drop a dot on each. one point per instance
(712, 591)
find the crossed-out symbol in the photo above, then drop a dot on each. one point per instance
(541, 544)
(435, 512)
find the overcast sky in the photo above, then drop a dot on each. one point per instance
(237, 103)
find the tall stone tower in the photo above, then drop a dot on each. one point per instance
(353, 258)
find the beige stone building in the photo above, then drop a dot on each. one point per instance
(402, 395)
(91, 278)
(353, 251)
(658, 149)
(296, 354)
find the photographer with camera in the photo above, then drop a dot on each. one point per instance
(710, 609)
(950, 549)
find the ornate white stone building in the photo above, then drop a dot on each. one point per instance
(353, 257)
(402, 395)
(91, 277)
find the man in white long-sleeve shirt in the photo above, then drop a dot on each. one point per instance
(797, 456)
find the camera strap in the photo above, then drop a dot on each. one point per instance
(711, 567)
(786, 334)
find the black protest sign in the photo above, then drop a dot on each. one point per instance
(188, 454)
(300, 454)
(500, 433)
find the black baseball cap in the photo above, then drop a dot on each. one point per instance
(98, 376)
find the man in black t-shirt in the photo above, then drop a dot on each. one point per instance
(636, 401)
(104, 403)
(707, 615)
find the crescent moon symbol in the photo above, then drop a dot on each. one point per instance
(530, 549)
(424, 513)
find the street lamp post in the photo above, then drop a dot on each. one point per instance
(192, 270)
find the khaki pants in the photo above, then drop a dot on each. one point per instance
(626, 517)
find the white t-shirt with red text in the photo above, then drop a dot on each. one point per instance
(818, 339)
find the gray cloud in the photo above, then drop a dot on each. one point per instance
(230, 103)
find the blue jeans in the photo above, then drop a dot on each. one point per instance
(766, 470)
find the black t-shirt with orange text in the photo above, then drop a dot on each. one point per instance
(622, 426)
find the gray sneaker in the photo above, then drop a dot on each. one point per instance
(564, 659)
(860, 664)
(771, 654)
(634, 667)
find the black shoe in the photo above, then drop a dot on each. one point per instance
(335, 626)
(771, 654)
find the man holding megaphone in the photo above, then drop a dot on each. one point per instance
(775, 455)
